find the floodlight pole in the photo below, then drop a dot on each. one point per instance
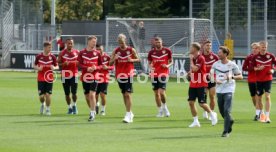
(53, 12)
(190, 8)
(265, 20)
(226, 18)
(248, 26)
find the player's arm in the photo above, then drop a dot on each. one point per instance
(237, 74)
(212, 73)
(135, 57)
(54, 66)
(194, 67)
(113, 58)
(170, 61)
(36, 67)
(99, 66)
(245, 65)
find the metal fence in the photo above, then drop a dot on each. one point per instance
(22, 27)
(6, 31)
(247, 20)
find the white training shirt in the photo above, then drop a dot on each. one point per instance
(222, 70)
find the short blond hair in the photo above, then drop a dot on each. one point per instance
(91, 37)
(255, 44)
(263, 43)
(196, 45)
(121, 37)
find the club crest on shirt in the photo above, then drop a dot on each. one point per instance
(50, 58)
(119, 53)
(128, 52)
(94, 53)
(154, 52)
(268, 56)
(164, 52)
(105, 58)
(211, 57)
(66, 55)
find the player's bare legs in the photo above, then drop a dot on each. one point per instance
(103, 99)
(87, 98)
(92, 100)
(127, 101)
(48, 103)
(163, 100)
(212, 93)
(267, 106)
(157, 98)
(42, 101)
(193, 108)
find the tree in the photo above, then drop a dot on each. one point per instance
(47, 11)
(79, 10)
(141, 8)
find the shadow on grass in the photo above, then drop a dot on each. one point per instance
(188, 137)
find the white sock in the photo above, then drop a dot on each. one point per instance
(98, 104)
(43, 103)
(195, 118)
(92, 113)
(267, 114)
(47, 108)
(160, 109)
(74, 104)
(258, 112)
(164, 106)
(103, 108)
(211, 114)
(69, 106)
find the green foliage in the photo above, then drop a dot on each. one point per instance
(79, 10)
(141, 8)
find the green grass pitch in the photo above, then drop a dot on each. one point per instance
(23, 129)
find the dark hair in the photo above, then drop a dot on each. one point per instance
(98, 45)
(196, 45)
(69, 39)
(225, 50)
(157, 38)
(45, 44)
(208, 41)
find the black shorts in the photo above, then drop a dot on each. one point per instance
(70, 84)
(102, 88)
(159, 83)
(125, 85)
(44, 87)
(252, 88)
(263, 87)
(211, 85)
(89, 86)
(199, 93)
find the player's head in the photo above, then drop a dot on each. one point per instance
(69, 43)
(255, 47)
(207, 46)
(223, 52)
(92, 41)
(47, 47)
(122, 40)
(263, 46)
(195, 48)
(141, 24)
(99, 47)
(158, 42)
